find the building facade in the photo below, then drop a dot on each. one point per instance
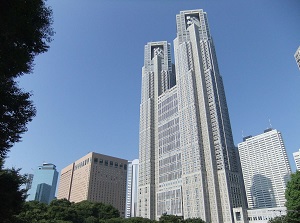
(188, 161)
(296, 156)
(297, 57)
(29, 181)
(131, 189)
(43, 184)
(97, 178)
(266, 169)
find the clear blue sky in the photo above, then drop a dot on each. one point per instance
(87, 86)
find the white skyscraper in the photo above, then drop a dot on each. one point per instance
(131, 188)
(188, 163)
(266, 169)
(297, 159)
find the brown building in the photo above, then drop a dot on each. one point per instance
(95, 177)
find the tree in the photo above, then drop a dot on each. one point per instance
(278, 219)
(64, 211)
(11, 194)
(25, 31)
(32, 211)
(139, 220)
(292, 196)
(194, 220)
(16, 110)
(165, 218)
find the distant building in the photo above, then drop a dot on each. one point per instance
(95, 177)
(297, 159)
(43, 184)
(297, 57)
(260, 215)
(265, 168)
(29, 181)
(132, 184)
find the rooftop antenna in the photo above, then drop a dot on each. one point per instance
(270, 123)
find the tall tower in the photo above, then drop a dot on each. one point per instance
(131, 188)
(296, 156)
(266, 169)
(187, 152)
(43, 183)
(157, 78)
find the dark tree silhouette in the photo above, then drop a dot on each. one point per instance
(25, 31)
(11, 195)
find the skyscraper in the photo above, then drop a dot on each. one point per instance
(188, 161)
(95, 177)
(131, 188)
(266, 169)
(296, 156)
(43, 184)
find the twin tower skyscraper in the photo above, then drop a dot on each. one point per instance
(189, 165)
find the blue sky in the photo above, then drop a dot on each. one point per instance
(87, 86)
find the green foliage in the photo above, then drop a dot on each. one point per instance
(194, 220)
(25, 31)
(11, 196)
(16, 110)
(278, 219)
(170, 218)
(139, 220)
(32, 211)
(292, 195)
(64, 211)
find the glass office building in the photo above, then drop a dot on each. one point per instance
(43, 184)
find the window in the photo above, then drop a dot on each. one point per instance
(116, 165)
(125, 166)
(111, 163)
(101, 161)
(106, 162)
(95, 160)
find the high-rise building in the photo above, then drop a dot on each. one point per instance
(266, 169)
(43, 184)
(297, 57)
(188, 161)
(29, 181)
(297, 159)
(131, 188)
(95, 177)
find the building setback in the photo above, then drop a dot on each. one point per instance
(43, 184)
(188, 161)
(97, 178)
(266, 169)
